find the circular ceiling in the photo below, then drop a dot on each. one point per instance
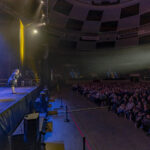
(80, 25)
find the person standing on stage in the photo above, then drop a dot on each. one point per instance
(12, 81)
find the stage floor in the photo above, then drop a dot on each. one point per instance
(7, 99)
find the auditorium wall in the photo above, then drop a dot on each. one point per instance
(100, 23)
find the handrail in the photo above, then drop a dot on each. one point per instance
(102, 3)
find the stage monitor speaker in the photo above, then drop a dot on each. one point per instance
(31, 127)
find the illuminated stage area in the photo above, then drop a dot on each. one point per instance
(13, 107)
(8, 100)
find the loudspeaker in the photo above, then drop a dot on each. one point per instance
(134, 79)
(31, 128)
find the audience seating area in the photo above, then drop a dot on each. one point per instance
(126, 99)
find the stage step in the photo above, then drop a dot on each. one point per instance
(52, 112)
(49, 126)
(51, 100)
(49, 105)
(55, 146)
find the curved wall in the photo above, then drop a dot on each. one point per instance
(85, 26)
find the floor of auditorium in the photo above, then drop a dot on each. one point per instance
(102, 129)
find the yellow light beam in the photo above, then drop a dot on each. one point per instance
(21, 42)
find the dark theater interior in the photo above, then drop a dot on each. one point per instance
(74, 74)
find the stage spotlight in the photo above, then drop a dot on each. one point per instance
(35, 31)
(42, 2)
(44, 24)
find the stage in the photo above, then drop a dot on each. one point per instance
(13, 107)
(7, 99)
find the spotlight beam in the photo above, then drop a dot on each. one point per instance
(21, 43)
(37, 14)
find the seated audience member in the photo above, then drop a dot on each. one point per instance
(146, 123)
(121, 109)
(123, 98)
(129, 107)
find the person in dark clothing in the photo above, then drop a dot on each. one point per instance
(146, 123)
(12, 81)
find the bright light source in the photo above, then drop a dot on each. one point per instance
(21, 42)
(44, 24)
(43, 15)
(35, 31)
(42, 2)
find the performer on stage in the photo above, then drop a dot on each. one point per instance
(12, 81)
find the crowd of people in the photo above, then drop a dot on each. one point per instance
(126, 99)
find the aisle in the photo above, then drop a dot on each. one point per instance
(103, 129)
(63, 132)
